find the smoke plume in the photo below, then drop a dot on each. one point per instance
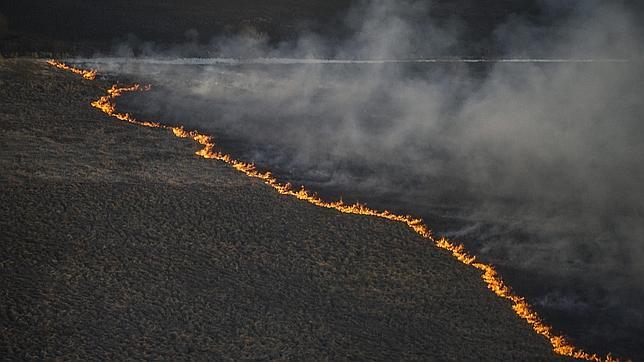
(535, 165)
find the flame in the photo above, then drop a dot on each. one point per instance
(87, 74)
(490, 276)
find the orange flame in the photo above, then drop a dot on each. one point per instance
(87, 74)
(493, 280)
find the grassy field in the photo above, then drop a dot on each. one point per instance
(117, 242)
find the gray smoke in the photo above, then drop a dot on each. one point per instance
(554, 151)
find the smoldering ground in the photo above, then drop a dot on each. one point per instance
(536, 167)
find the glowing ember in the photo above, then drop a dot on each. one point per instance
(560, 344)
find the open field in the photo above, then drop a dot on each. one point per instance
(509, 126)
(118, 242)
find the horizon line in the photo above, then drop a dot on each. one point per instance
(303, 61)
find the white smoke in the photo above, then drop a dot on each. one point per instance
(545, 139)
(557, 136)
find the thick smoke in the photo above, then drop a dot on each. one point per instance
(541, 164)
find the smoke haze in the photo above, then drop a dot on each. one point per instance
(536, 167)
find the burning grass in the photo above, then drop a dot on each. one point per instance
(489, 275)
(87, 74)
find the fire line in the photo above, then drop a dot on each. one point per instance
(87, 74)
(489, 275)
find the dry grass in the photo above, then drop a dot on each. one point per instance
(117, 242)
